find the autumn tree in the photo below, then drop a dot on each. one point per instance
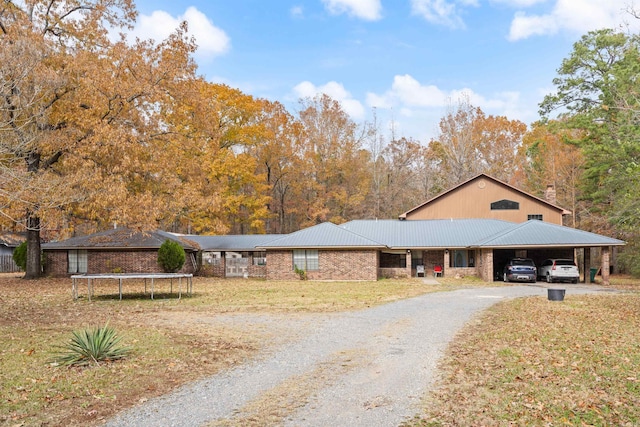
(404, 175)
(335, 181)
(81, 123)
(376, 144)
(471, 142)
(38, 41)
(499, 140)
(555, 159)
(280, 163)
(455, 145)
(218, 129)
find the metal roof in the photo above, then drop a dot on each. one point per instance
(539, 233)
(238, 242)
(358, 234)
(325, 235)
(436, 233)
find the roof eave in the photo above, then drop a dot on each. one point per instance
(548, 245)
(319, 247)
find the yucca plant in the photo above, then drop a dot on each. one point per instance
(92, 346)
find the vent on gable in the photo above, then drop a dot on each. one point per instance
(504, 204)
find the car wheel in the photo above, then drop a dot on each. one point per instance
(574, 281)
(549, 279)
(505, 278)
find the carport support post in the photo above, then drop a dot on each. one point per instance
(606, 256)
(445, 262)
(587, 265)
(408, 261)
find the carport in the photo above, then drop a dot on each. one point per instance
(540, 240)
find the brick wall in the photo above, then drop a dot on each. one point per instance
(141, 261)
(333, 265)
(257, 270)
(485, 265)
(55, 263)
(212, 270)
(432, 258)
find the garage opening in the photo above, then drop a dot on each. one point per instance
(538, 255)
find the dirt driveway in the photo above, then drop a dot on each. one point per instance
(364, 368)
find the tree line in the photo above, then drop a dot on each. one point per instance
(95, 132)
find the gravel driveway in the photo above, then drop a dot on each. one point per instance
(363, 368)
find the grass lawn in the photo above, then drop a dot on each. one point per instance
(534, 362)
(498, 370)
(37, 316)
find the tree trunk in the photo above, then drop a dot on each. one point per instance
(34, 269)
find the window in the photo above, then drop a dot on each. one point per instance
(306, 259)
(535, 216)
(259, 258)
(504, 205)
(77, 260)
(393, 260)
(211, 258)
(463, 258)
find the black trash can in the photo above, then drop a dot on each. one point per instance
(555, 294)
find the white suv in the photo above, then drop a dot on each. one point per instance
(557, 270)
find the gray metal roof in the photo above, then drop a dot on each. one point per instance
(325, 235)
(539, 233)
(437, 233)
(240, 243)
(392, 234)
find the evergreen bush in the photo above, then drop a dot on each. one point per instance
(171, 256)
(20, 256)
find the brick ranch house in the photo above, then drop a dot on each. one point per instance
(371, 249)
(119, 250)
(471, 229)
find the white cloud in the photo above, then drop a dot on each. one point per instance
(211, 40)
(519, 3)
(336, 91)
(407, 93)
(296, 12)
(441, 12)
(369, 10)
(576, 16)
(414, 108)
(524, 26)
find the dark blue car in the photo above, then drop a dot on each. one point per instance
(520, 270)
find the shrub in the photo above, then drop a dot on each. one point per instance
(302, 274)
(20, 256)
(171, 256)
(92, 346)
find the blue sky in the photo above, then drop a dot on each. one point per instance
(411, 60)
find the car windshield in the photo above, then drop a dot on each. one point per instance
(526, 262)
(565, 262)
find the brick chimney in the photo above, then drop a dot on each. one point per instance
(550, 194)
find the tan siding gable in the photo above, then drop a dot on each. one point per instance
(473, 199)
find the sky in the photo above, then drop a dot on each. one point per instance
(408, 62)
